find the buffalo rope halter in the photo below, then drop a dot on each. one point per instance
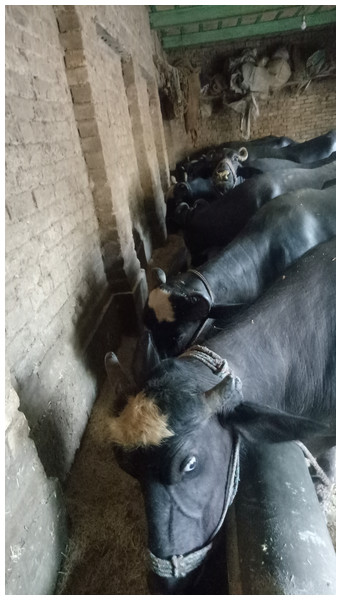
(181, 565)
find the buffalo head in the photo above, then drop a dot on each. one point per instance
(225, 174)
(178, 433)
(174, 315)
(178, 309)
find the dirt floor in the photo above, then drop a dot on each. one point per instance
(106, 553)
(107, 527)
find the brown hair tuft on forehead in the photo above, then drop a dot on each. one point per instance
(141, 423)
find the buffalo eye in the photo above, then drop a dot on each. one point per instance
(189, 465)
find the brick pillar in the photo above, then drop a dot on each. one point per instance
(144, 140)
(121, 276)
(159, 137)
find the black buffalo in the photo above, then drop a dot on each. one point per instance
(314, 149)
(222, 178)
(279, 233)
(203, 163)
(263, 165)
(208, 225)
(269, 376)
(211, 188)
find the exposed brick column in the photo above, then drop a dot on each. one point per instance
(121, 276)
(159, 137)
(144, 140)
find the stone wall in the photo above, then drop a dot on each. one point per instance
(300, 116)
(86, 165)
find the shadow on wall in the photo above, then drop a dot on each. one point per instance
(140, 249)
(57, 394)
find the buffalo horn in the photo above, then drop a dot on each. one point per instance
(242, 154)
(119, 380)
(219, 396)
(146, 358)
(159, 275)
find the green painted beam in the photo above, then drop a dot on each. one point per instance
(197, 14)
(248, 31)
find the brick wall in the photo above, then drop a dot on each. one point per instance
(285, 112)
(86, 168)
(53, 262)
(84, 209)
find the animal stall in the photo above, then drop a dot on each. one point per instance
(170, 300)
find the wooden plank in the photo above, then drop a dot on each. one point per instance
(198, 14)
(249, 31)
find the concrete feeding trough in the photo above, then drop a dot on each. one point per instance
(277, 538)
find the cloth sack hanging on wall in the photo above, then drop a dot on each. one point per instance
(190, 85)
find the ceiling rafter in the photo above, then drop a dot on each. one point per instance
(197, 14)
(210, 26)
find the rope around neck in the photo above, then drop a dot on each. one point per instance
(213, 361)
(205, 282)
(319, 471)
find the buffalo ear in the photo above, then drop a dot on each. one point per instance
(242, 154)
(146, 358)
(263, 423)
(191, 307)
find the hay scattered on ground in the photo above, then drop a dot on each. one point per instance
(107, 546)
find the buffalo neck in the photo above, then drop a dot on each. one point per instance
(232, 273)
(281, 355)
(233, 211)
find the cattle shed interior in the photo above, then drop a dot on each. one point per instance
(101, 102)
